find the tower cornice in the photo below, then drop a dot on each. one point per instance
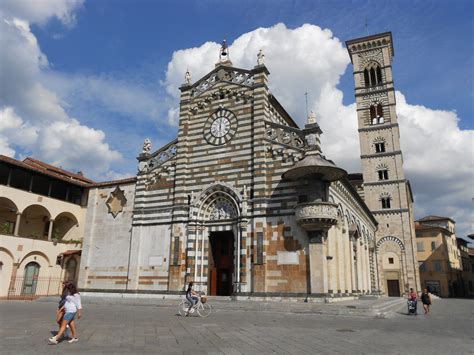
(366, 43)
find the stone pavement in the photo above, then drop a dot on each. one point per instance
(137, 329)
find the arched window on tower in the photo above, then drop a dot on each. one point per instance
(372, 75)
(379, 114)
(373, 115)
(366, 78)
(373, 80)
(385, 201)
(379, 75)
(376, 114)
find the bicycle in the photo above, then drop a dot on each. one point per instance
(202, 307)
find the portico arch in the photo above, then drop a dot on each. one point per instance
(35, 222)
(8, 216)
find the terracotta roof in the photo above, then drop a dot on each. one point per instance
(434, 218)
(427, 228)
(114, 182)
(69, 177)
(71, 252)
(48, 167)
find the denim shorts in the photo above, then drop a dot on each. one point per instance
(69, 316)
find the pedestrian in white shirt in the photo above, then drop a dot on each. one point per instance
(71, 307)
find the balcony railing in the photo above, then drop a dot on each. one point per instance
(316, 215)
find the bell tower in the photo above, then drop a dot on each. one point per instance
(387, 192)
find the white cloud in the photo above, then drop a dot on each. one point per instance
(33, 119)
(136, 100)
(438, 155)
(41, 11)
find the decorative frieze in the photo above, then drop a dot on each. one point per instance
(230, 75)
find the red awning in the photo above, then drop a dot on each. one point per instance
(72, 252)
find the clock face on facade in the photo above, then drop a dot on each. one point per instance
(220, 127)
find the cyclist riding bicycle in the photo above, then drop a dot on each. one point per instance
(191, 296)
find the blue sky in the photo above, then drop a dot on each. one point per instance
(434, 41)
(84, 82)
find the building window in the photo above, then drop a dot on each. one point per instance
(385, 202)
(437, 265)
(433, 246)
(383, 174)
(380, 147)
(420, 246)
(422, 266)
(259, 248)
(390, 260)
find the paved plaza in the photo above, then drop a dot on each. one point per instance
(145, 328)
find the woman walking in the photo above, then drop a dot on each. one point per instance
(426, 300)
(62, 301)
(71, 307)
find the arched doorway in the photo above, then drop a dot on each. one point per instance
(214, 226)
(391, 263)
(30, 279)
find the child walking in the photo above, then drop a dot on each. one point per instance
(71, 307)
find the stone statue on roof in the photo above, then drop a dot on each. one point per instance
(146, 146)
(187, 77)
(260, 58)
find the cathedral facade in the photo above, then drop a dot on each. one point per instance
(243, 202)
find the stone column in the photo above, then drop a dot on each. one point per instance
(347, 263)
(12, 287)
(353, 258)
(50, 230)
(363, 266)
(17, 224)
(359, 265)
(331, 262)
(318, 262)
(367, 263)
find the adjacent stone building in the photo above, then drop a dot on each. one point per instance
(244, 202)
(439, 257)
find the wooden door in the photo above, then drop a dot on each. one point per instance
(221, 263)
(30, 279)
(393, 287)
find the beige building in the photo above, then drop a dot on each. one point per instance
(386, 190)
(42, 214)
(438, 255)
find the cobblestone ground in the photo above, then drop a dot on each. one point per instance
(120, 329)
